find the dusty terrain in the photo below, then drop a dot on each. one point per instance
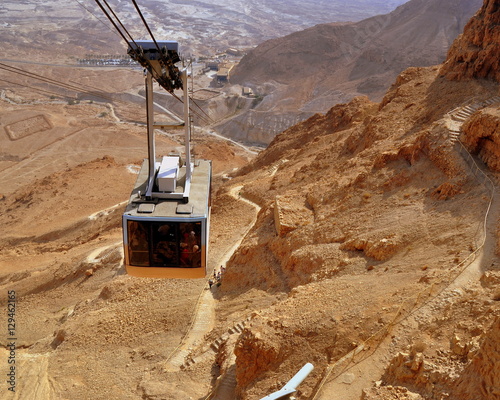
(62, 32)
(325, 59)
(57, 31)
(363, 240)
(66, 170)
(390, 221)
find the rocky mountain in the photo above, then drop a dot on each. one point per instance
(366, 211)
(364, 240)
(308, 71)
(475, 54)
(58, 30)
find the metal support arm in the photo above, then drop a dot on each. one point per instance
(153, 167)
(291, 385)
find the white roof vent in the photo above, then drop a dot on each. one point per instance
(168, 174)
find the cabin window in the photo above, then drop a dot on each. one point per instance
(164, 244)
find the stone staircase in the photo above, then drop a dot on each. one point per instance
(182, 359)
(276, 166)
(202, 324)
(227, 385)
(459, 115)
(215, 346)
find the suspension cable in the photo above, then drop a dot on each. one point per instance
(96, 17)
(210, 120)
(146, 25)
(120, 22)
(44, 79)
(80, 89)
(146, 63)
(33, 88)
(111, 20)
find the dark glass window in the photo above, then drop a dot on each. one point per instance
(164, 244)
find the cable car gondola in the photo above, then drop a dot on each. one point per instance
(166, 222)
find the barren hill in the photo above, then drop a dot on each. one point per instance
(367, 214)
(307, 71)
(370, 224)
(58, 30)
(364, 240)
(475, 55)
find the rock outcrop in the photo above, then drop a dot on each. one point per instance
(481, 378)
(475, 53)
(353, 203)
(482, 136)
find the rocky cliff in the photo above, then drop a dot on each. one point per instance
(362, 207)
(482, 136)
(475, 53)
(369, 214)
(481, 377)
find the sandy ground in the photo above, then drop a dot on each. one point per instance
(79, 316)
(62, 239)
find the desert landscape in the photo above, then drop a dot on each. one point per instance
(363, 240)
(308, 71)
(68, 29)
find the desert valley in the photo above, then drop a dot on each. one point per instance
(355, 207)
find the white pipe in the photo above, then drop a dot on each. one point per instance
(299, 376)
(291, 385)
(187, 125)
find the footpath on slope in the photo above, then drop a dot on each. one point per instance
(33, 369)
(346, 379)
(204, 315)
(366, 364)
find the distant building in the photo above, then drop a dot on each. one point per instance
(213, 65)
(223, 75)
(247, 91)
(224, 72)
(234, 52)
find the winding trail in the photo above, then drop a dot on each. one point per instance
(234, 142)
(204, 315)
(106, 211)
(351, 374)
(206, 131)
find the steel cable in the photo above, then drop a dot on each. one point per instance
(207, 120)
(146, 25)
(123, 27)
(95, 16)
(54, 82)
(111, 20)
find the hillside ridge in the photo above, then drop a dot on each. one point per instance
(364, 240)
(309, 71)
